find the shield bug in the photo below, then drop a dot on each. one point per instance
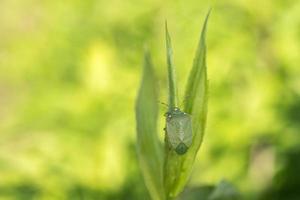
(179, 130)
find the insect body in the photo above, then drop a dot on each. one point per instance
(179, 130)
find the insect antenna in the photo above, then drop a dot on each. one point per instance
(164, 104)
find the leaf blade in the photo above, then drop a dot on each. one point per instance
(197, 89)
(148, 146)
(178, 168)
(173, 96)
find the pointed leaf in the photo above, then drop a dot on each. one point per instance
(173, 99)
(225, 191)
(178, 168)
(149, 149)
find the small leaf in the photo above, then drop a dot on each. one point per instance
(225, 191)
(196, 193)
(149, 149)
(178, 168)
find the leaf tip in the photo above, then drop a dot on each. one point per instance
(168, 37)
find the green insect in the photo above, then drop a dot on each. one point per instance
(179, 130)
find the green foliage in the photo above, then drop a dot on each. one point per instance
(173, 97)
(177, 168)
(69, 72)
(223, 191)
(148, 146)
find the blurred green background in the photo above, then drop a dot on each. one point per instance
(70, 70)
